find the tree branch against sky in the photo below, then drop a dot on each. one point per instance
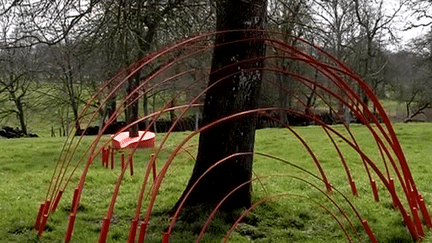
(39, 21)
(336, 25)
(421, 11)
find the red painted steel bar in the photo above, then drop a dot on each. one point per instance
(43, 224)
(165, 237)
(107, 157)
(44, 218)
(153, 161)
(413, 198)
(122, 161)
(411, 228)
(392, 192)
(39, 216)
(69, 230)
(353, 188)
(132, 232)
(72, 216)
(425, 212)
(56, 202)
(369, 232)
(142, 233)
(104, 230)
(418, 223)
(47, 207)
(75, 199)
(375, 190)
(131, 165)
(112, 158)
(102, 157)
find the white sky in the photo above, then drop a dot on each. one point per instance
(406, 17)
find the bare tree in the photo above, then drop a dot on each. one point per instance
(336, 27)
(293, 19)
(66, 65)
(17, 82)
(410, 76)
(130, 28)
(42, 21)
(421, 11)
(375, 20)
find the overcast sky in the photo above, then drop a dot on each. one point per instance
(407, 17)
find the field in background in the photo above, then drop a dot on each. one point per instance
(26, 167)
(42, 123)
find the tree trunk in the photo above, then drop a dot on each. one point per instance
(144, 46)
(238, 90)
(74, 106)
(20, 116)
(283, 96)
(20, 111)
(112, 105)
(172, 113)
(145, 108)
(132, 113)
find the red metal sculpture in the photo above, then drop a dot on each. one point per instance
(334, 83)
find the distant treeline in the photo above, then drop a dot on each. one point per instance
(190, 124)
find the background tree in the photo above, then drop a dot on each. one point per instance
(336, 26)
(374, 20)
(42, 21)
(292, 18)
(130, 28)
(66, 69)
(410, 76)
(18, 82)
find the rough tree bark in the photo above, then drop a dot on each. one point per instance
(236, 65)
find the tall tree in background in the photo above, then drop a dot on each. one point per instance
(291, 18)
(336, 26)
(67, 61)
(236, 76)
(143, 18)
(134, 26)
(375, 20)
(17, 83)
(409, 74)
(130, 29)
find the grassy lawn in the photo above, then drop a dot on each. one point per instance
(299, 214)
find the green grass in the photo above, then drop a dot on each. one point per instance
(26, 167)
